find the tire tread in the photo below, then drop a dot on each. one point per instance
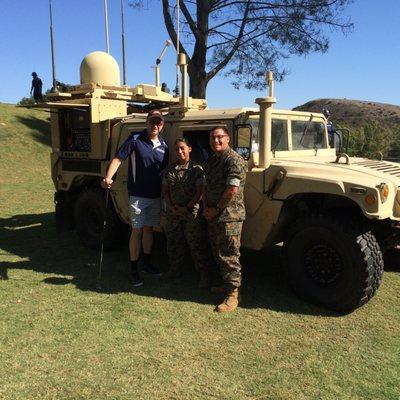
(370, 255)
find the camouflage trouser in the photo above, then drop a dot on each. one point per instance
(187, 230)
(225, 245)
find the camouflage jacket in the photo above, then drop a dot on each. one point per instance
(183, 181)
(222, 170)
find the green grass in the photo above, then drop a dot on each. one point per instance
(60, 339)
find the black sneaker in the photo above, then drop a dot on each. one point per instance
(136, 281)
(151, 269)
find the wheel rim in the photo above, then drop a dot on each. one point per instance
(323, 263)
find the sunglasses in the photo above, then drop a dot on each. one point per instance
(157, 122)
(217, 137)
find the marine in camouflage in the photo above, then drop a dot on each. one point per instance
(225, 245)
(190, 228)
(224, 231)
(221, 170)
(187, 229)
(183, 181)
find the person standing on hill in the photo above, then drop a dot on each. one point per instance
(334, 136)
(36, 88)
(224, 210)
(330, 126)
(148, 155)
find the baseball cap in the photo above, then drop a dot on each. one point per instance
(155, 114)
(326, 112)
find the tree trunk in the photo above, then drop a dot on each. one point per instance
(198, 85)
(197, 65)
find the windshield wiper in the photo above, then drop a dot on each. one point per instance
(306, 129)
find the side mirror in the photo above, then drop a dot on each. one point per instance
(243, 135)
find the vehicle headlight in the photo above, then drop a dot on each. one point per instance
(384, 191)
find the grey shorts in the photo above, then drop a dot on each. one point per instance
(144, 211)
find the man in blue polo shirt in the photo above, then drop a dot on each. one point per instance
(148, 155)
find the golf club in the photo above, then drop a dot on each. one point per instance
(98, 284)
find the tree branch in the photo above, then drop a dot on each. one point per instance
(170, 27)
(225, 61)
(189, 19)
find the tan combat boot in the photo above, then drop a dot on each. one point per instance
(230, 302)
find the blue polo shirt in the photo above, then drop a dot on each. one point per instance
(147, 160)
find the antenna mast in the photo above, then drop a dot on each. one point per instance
(123, 43)
(106, 23)
(53, 62)
(177, 47)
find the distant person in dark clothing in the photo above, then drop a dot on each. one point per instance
(329, 125)
(334, 136)
(164, 87)
(36, 88)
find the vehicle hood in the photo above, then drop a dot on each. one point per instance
(358, 171)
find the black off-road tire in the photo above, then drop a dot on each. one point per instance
(333, 262)
(89, 214)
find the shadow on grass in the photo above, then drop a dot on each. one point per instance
(392, 260)
(40, 129)
(33, 239)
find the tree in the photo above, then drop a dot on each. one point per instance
(371, 139)
(245, 38)
(26, 101)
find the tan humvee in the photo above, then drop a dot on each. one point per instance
(334, 214)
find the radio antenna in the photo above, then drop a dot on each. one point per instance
(177, 47)
(123, 43)
(53, 62)
(106, 24)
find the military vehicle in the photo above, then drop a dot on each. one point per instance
(335, 215)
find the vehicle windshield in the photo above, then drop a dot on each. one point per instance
(308, 135)
(305, 134)
(279, 139)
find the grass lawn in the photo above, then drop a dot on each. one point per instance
(60, 339)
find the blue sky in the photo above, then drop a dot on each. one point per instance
(365, 65)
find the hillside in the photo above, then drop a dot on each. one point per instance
(355, 113)
(25, 148)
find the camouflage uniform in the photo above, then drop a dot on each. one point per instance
(222, 170)
(189, 228)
